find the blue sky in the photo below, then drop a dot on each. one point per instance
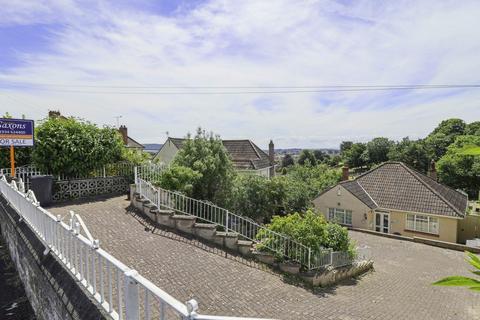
(74, 56)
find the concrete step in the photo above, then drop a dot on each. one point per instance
(205, 230)
(265, 257)
(229, 239)
(184, 222)
(245, 247)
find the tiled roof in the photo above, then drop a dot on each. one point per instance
(245, 154)
(393, 185)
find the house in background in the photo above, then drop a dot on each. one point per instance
(246, 156)
(129, 142)
(394, 198)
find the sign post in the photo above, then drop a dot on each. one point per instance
(16, 133)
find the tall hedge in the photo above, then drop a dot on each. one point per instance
(73, 147)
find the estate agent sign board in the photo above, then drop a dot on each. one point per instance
(16, 132)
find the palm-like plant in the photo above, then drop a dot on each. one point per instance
(459, 281)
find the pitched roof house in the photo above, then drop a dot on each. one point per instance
(129, 142)
(246, 155)
(394, 198)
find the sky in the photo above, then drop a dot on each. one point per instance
(177, 65)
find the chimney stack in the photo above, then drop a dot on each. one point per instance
(124, 132)
(271, 157)
(432, 171)
(345, 173)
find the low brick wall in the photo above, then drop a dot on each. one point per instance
(52, 290)
(430, 242)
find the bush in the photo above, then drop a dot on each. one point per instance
(309, 229)
(178, 178)
(73, 147)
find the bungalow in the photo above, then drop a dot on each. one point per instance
(394, 198)
(247, 157)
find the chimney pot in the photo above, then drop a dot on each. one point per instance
(432, 172)
(271, 156)
(124, 132)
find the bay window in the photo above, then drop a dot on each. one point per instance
(421, 223)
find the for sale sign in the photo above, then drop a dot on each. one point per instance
(16, 132)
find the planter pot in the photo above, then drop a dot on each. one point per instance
(290, 267)
(266, 258)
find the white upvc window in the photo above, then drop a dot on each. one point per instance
(422, 223)
(341, 216)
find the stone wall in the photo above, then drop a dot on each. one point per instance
(52, 290)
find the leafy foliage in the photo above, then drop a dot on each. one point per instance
(309, 229)
(135, 156)
(460, 169)
(377, 150)
(206, 155)
(74, 147)
(411, 152)
(459, 281)
(179, 178)
(442, 136)
(307, 157)
(287, 161)
(473, 129)
(353, 155)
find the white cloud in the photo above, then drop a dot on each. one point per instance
(232, 43)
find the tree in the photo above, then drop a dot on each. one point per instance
(377, 150)
(473, 129)
(257, 197)
(353, 156)
(459, 281)
(179, 178)
(307, 158)
(345, 146)
(73, 147)
(320, 156)
(442, 136)
(460, 169)
(411, 152)
(23, 155)
(287, 161)
(206, 155)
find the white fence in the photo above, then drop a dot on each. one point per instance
(243, 226)
(121, 291)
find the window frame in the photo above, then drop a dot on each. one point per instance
(334, 212)
(422, 218)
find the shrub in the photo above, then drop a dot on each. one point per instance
(178, 178)
(309, 229)
(73, 147)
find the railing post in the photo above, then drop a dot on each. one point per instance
(309, 258)
(135, 172)
(226, 221)
(132, 310)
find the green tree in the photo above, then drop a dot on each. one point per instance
(473, 129)
(460, 281)
(377, 150)
(179, 178)
(411, 152)
(345, 146)
(353, 156)
(258, 197)
(307, 158)
(287, 161)
(442, 136)
(460, 169)
(320, 156)
(206, 155)
(73, 147)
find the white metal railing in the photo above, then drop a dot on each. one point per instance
(121, 291)
(245, 227)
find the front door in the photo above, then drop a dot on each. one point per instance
(382, 222)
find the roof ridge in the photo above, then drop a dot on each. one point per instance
(254, 149)
(368, 194)
(415, 175)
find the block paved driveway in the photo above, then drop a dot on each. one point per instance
(398, 288)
